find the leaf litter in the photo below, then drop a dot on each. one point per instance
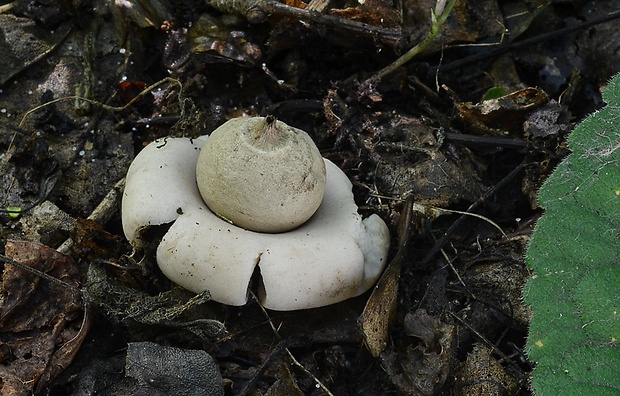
(394, 137)
(42, 323)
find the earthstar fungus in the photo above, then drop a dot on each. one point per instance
(333, 256)
(261, 174)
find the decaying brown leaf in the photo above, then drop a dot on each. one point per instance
(285, 385)
(482, 374)
(381, 306)
(410, 160)
(151, 13)
(92, 241)
(503, 115)
(421, 366)
(295, 3)
(42, 323)
(135, 308)
(380, 310)
(374, 12)
(218, 40)
(161, 369)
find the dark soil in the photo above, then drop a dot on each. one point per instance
(422, 132)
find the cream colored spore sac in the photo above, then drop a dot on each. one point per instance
(261, 174)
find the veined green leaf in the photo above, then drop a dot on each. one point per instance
(574, 254)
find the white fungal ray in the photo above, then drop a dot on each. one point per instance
(156, 183)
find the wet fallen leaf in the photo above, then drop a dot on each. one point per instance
(295, 3)
(501, 116)
(410, 161)
(380, 309)
(42, 322)
(285, 385)
(93, 242)
(547, 121)
(502, 270)
(165, 370)
(144, 13)
(140, 312)
(214, 40)
(463, 25)
(422, 365)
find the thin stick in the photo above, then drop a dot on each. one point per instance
(7, 7)
(108, 107)
(446, 236)
(257, 10)
(102, 212)
(308, 373)
(486, 341)
(501, 49)
(284, 342)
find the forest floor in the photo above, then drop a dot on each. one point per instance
(474, 123)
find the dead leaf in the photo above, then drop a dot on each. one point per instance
(501, 116)
(422, 364)
(407, 159)
(285, 384)
(92, 241)
(424, 327)
(295, 3)
(42, 323)
(31, 302)
(380, 309)
(151, 13)
(374, 12)
(165, 370)
(213, 40)
(482, 374)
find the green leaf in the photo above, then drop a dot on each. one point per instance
(493, 93)
(574, 254)
(14, 211)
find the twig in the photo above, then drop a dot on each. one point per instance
(457, 274)
(102, 212)
(308, 373)
(7, 7)
(277, 350)
(481, 337)
(440, 212)
(108, 107)
(458, 64)
(444, 238)
(257, 10)
(495, 141)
